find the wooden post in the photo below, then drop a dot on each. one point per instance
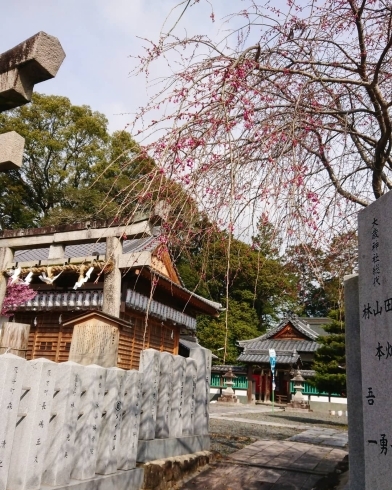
(250, 383)
(15, 337)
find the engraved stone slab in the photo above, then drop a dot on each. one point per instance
(29, 447)
(188, 418)
(165, 391)
(108, 446)
(15, 336)
(89, 424)
(375, 311)
(149, 366)
(203, 359)
(62, 427)
(130, 422)
(11, 150)
(177, 404)
(11, 376)
(95, 342)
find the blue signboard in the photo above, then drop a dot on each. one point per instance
(272, 355)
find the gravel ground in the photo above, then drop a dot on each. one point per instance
(229, 436)
(308, 418)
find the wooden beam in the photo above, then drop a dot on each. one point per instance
(89, 235)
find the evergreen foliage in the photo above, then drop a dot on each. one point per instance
(330, 358)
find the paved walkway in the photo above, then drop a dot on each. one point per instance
(270, 465)
(311, 434)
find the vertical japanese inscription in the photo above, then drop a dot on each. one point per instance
(375, 299)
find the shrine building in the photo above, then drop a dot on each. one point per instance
(132, 285)
(295, 343)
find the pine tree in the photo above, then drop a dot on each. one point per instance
(330, 358)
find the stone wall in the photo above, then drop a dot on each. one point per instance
(64, 423)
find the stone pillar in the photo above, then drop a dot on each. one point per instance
(165, 391)
(149, 366)
(28, 457)
(109, 438)
(11, 376)
(112, 281)
(202, 394)
(93, 379)
(188, 421)
(130, 422)
(61, 437)
(6, 259)
(15, 337)
(177, 403)
(354, 384)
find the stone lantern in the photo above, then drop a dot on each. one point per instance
(298, 401)
(228, 395)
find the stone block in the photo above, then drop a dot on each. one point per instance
(33, 61)
(177, 405)
(165, 392)
(35, 408)
(122, 480)
(89, 423)
(11, 376)
(149, 366)
(203, 359)
(62, 428)
(11, 150)
(188, 418)
(130, 422)
(166, 448)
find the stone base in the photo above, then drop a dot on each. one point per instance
(166, 448)
(297, 406)
(228, 399)
(122, 480)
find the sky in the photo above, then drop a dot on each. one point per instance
(98, 37)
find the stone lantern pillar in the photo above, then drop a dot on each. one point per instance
(298, 401)
(228, 395)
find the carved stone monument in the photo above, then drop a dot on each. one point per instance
(14, 338)
(374, 364)
(95, 339)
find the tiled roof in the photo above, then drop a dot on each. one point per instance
(87, 249)
(223, 369)
(282, 357)
(296, 322)
(307, 373)
(281, 345)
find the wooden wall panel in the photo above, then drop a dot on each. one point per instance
(51, 340)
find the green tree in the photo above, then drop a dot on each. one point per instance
(330, 358)
(73, 169)
(259, 288)
(321, 272)
(242, 324)
(63, 143)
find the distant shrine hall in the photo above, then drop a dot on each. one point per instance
(94, 274)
